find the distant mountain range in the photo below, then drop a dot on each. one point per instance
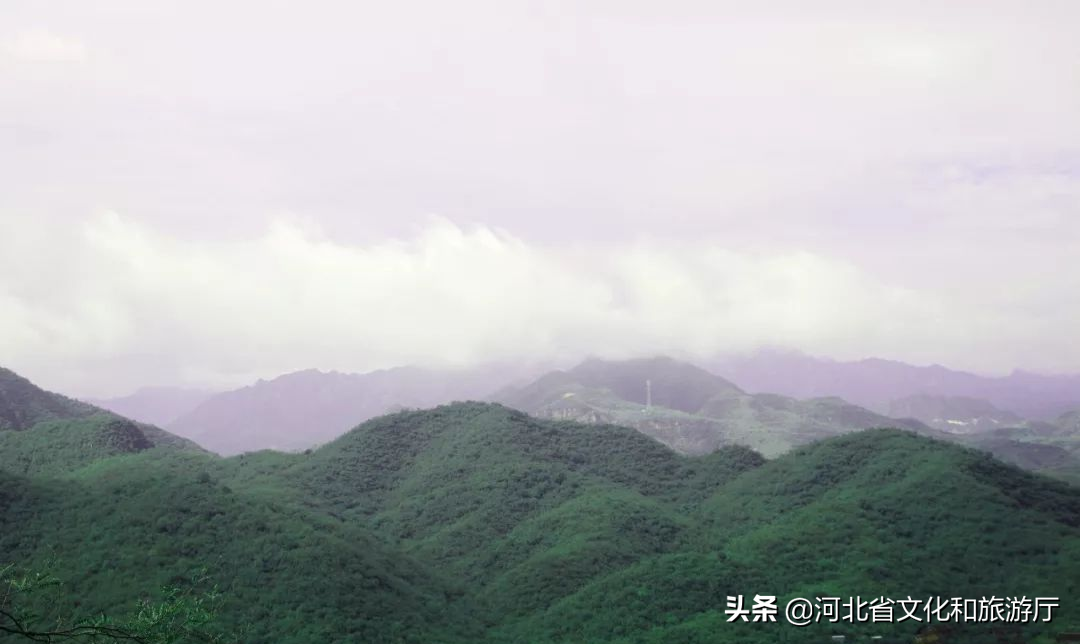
(688, 408)
(475, 523)
(307, 408)
(875, 384)
(956, 414)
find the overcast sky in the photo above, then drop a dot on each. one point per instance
(202, 193)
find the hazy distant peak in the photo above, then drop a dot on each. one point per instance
(310, 407)
(669, 382)
(157, 405)
(875, 382)
(303, 374)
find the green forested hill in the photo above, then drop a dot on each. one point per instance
(23, 404)
(57, 446)
(44, 432)
(483, 490)
(476, 523)
(896, 514)
(121, 528)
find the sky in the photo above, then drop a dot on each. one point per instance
(203, 193)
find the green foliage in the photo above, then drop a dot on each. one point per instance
(32, 607)
(42, 432)
(476, 523)
(59, 446)
(182, 614)
(124, 526)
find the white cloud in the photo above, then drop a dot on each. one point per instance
(41, 46)
(113, 304)
(891, 180)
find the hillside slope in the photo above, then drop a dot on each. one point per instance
(121, 528)
(876, 513)
(58, 446)
(23, 404)
(568, 532)
(495, 495)
(473, 522)
(71, 431)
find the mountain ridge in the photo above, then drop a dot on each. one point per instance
(875, 382)
(303, 409)
(26, 408)
(687, 407)
(474, 522)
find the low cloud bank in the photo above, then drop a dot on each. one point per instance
(111, 304)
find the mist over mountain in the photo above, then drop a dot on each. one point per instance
(307, 408)
(1048, 446)
(958, 414)
(685, 406)
(688, 408)
(527, 322)
(875, 383)
(682, 405)
(155, 405)
(1069, 421)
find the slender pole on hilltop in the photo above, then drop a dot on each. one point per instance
(648, 394)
